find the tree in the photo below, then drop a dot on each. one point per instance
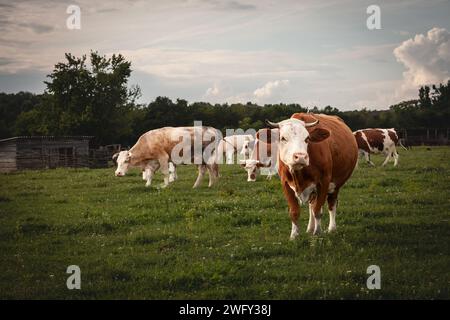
(91, 100)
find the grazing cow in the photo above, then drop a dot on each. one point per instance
(179, 145)
(149, 169)
(264, 155)
(234, 144)
(317, 154)
(376, 141)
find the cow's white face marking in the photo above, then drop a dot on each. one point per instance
(293, 148)
(123, 163)
(251, 166)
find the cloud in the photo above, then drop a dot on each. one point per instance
(426, 58)
(183, 64)
(371, 53)
(213, 92)
(270, 89)
(37, 27)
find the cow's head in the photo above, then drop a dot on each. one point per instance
(247, 148)
(294, 139)
(252, 167)
(123, 162)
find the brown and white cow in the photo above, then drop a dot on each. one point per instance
(264, 155)
(179, 145)
(373, 141)
(317, 155)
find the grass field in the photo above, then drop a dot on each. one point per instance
(230, 241)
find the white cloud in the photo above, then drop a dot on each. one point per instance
(183, 64)
(214, 91)
(426, 58)
(270, 89)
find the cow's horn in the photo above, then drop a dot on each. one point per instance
(272, 124)
(310, 124)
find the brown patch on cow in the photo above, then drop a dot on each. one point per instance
(393, 135)
(375, 138)
(362, 144)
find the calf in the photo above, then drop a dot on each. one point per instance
(317, 154)
(373, 141)
(264, 155)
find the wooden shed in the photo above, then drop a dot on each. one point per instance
(42, 152)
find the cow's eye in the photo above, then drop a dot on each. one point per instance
(283, 139)
(307, 139)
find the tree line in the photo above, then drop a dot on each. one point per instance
(92, 97)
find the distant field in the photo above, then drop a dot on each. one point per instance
(230, 241)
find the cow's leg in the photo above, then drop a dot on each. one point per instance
(317, 209)
(293, 209)
(367, 156)
(172, 172)
(175, 175)
(149, 176)
(213, 172)
(150, 170)
(311, 224)
(387, 158)
(144, 174)
(332, 205)
(201, 173)
(395, 154)
(164, 166)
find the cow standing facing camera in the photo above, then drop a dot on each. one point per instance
(317, 154)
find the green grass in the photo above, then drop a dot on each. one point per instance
(230, 241)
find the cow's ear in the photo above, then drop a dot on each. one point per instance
(242, 163)
(114, 157)
(318, 134)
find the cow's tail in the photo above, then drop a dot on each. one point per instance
(401, 145)
(399, 140)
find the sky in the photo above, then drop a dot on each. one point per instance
(315, 53)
